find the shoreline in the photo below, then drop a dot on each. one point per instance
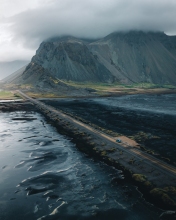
(86, 144)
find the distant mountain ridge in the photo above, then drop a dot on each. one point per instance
(7, 68)
(14, 75)
(130, 57)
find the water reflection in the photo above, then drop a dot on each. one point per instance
(43, 176)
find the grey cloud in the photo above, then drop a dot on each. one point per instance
(92, 19)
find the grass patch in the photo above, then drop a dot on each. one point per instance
(17, 86)
(142, 181)
(162, 195)
(103, 153)
(92, 85)
(139, 177)
(170, 189)
(111, 150)
(43, 95)
(99, 88)
(105, 86)
(8, 95)
(149, 86)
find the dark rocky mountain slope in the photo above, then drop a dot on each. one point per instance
(71, 59)
(41, 79)
(138, 56)
(130, 57)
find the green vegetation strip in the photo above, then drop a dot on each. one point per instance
(106, 86)
(166, 195)
(8, 95)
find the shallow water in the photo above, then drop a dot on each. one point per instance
(10, 100)
(43, 176)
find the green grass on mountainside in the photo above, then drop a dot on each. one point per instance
(44, 95)
(8, 95)
(149, 86)
(107, 86)
(100, 89)
(89, 84)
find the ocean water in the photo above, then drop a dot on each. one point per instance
(44, 176)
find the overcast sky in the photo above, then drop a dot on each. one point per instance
(24, 24)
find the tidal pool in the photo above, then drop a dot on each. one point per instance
(44, 176)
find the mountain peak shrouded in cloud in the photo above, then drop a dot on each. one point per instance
(123, 57)
(25, 24)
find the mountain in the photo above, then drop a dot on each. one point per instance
(69, 59)
(41, 79)
(137, 56)
(125, 57)
(7, 68)
(14, 75)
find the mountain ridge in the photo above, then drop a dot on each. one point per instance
(9, 67)
(124, 57)
(139, 56)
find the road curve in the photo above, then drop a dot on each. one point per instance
(148, 159)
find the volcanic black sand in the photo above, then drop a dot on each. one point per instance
(148, 119)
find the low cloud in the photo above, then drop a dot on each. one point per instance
(90, 19)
